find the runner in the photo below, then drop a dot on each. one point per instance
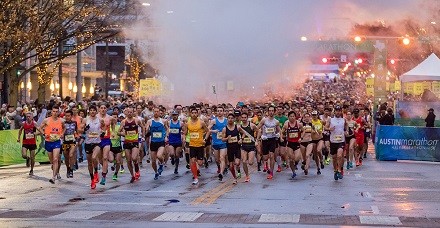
(359, 134)
(175, 139)
(306, 142)
(280, 152)
(92, 127)
(270, 131)
(196, 128)
(29, 141)
(249, 144)
(367, 117)
(53, 128)
(292, 131)
(317, 141)
(69, 142)
(105, 141)
(325, 118)
(116, 149)
(231, 135)
(157, 128)
(216, 127)
(350, 139)
(338, 128)
(77, 118)
(130, 130)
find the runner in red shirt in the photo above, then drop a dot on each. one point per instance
(359, 135)
(29, 141)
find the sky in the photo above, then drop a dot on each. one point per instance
(244, 44)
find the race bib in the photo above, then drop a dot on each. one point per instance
(367, 130)
(93, 135)
(131, 133)
(270, 130)
(338, 137)
(174, 131)
(114, 136)
(69, 138)
(54, 137)
(351, 125)
(318, 127)
(194, 135)
(247, 140)
(157, 134)
(233, 139)
(29, 136)
(219, 135)
(308, 129)
(293, 135)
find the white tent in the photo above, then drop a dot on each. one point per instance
(428, 70)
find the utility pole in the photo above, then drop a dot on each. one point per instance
(60, 69)
(107, 65)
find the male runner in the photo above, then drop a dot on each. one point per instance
(69, 142)
(338, 129)
(249, 144)
(29, 127)
(116, 148)
(175, 139)
(157, 128)
(216, 127)
(292, 129)
(231, 135)
(270, 131)
(105, 140)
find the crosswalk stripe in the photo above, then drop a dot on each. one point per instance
(279, 218)
(82, 215)
(178, 216)
(380, 220)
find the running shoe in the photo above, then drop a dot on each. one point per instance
(102, 181)
(80, 159)
(31, 173)
(306, 172)
(122, 170)
(269, 177)
(340, 175)
(348, 165)
(220, 177)
(238, 175)
(96, 177)
(198, 173)
(176, 171)
(68, 174)
(365, 155)
(58, 176)
(93, 184)
(75, 167)
(234, 181)
(225, 171)
(279, 169)
(293, 175)
(336, 175)
(327, 161)
(268, 171)
(248, 179)
(265, 167)
(195, 181)
(172, 161)
(132, 180)
(156, 176)
(322, 165)
(284, 164)
(71, 174)
(137, 175)
(303, 165)
(187, 166)
(360, 162)
(52, 180)
(112, 168)
(259, 166)
(28, 162)
(115, 177)
(160, 170)
(319, 172)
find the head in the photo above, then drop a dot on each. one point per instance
(92, 111)
(280, 110)
(114, 119)
(194, 113)
(82, 113)
(314, 115)
(220, 111)
(231, 118)
(292, 116)
(338, 111)
(306, 117)
(68, 115)
(29, 116)
(356, 112)
(244, 117)
(129, 112)
(150, 105)
(139, 109)
(178, 108)
(349, 115)
(175, 115)
(271, 111)
(55, 111)
(103, 109)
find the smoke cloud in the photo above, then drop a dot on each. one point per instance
(248, 48)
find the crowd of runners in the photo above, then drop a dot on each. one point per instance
(326, 123)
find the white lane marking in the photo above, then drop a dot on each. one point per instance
(358, 175)
(78, 215)
(375, 210)
(113, 203)
(279, 218)
(139, 191)
(178, 216)
(380, 220)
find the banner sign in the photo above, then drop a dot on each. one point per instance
(397, 85)
(418, 88)
(10, 149)
(150, 87)
(407, 143)
(370, 86)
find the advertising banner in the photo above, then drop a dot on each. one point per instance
(407, 143)
(10, 149)
(150, 87)
(426, 85)
(370, 86)
(418, 88)
(397, 86)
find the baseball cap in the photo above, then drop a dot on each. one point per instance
(338, 108)
(431, 109)
(237, 113)
(174, 112)
(356, 110)
(315, 112)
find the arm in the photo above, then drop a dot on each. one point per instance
(147, 127)
(121, 129)
(211, 124)
(42, 126)
(19, 133)
(38, 129)
(224, 139)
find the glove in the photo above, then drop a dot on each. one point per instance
(87, 127)
(102, 134)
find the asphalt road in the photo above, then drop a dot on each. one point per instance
(378, 193)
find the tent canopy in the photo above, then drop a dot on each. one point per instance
(428, 70)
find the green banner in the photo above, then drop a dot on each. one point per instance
(10, 149)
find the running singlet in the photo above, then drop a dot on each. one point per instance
(217, 137)
(281, 120)
(337, 135)
(70, 129)
(131, 132)
(318, 127)
(53, 130)
(307, 137)
(175, 137)
(29, 133)
(114, 137)
(107, 128)
(157, 130)
(293, 133)
(196, 133)
(269, 128)
(232, 143)
(247, 141)
(93, 134)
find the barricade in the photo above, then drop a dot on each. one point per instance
(10, 149)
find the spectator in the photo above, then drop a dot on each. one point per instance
(5, 123)
(388, 118)
(430, 118)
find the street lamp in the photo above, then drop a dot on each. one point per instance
(75, 89)
(406, 41)
(52, 87)
(70, 86)
(92, 89)
(29, 85)
(357, 39)
(22, 85)
(303, 38)
(83, 89)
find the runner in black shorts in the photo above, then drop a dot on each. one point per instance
(231, 135)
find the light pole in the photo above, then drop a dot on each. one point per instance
(70, 87)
